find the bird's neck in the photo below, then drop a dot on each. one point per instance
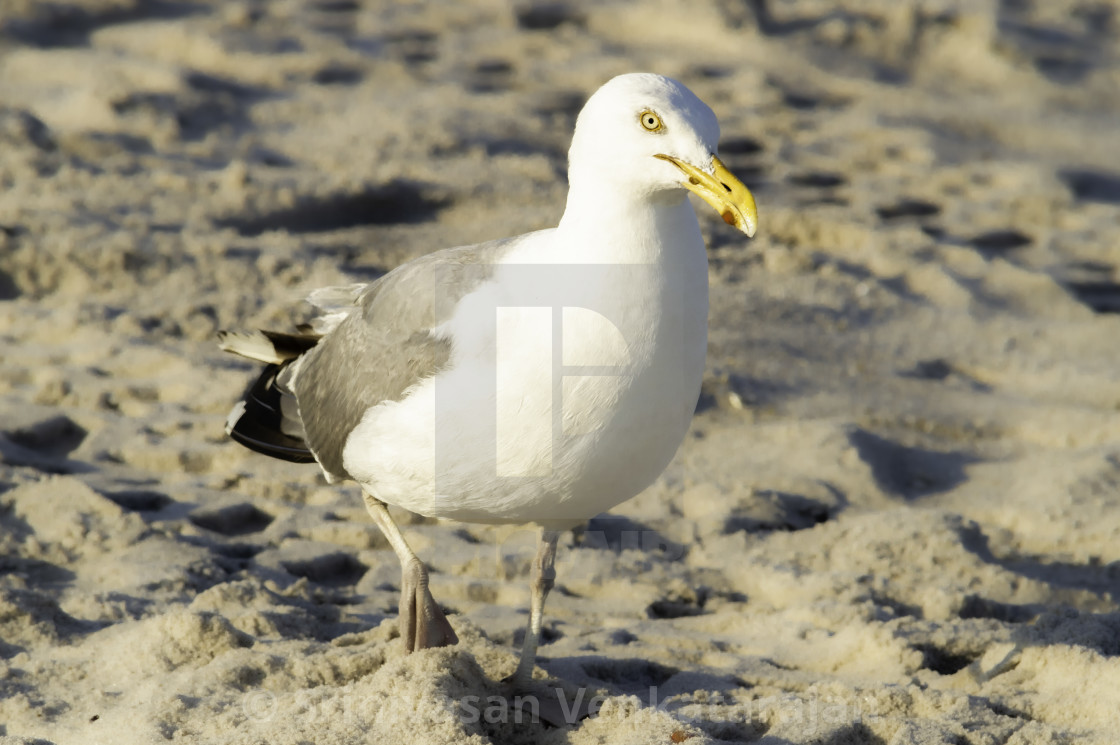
(615, 226)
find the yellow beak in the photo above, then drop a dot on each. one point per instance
(733, 201)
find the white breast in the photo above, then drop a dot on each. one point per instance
(571, 384)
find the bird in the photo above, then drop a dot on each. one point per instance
(540, 379)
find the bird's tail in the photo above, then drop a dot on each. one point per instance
(267, 419)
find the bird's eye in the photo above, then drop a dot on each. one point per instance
(650, 121)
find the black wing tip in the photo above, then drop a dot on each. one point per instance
(257, 425)
(294, 453)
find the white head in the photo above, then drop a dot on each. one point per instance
(652, 137)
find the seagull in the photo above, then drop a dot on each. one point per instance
(540, 379)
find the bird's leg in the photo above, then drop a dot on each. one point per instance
(544, 576)
(422, 622)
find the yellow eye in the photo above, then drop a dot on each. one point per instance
(650, 121)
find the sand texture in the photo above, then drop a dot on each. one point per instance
(896, 518)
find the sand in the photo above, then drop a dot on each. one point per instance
(896, 518)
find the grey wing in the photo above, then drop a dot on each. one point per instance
(383, 346)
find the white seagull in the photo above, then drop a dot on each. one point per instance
(540, 379)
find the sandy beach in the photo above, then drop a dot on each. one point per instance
(896, 517)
